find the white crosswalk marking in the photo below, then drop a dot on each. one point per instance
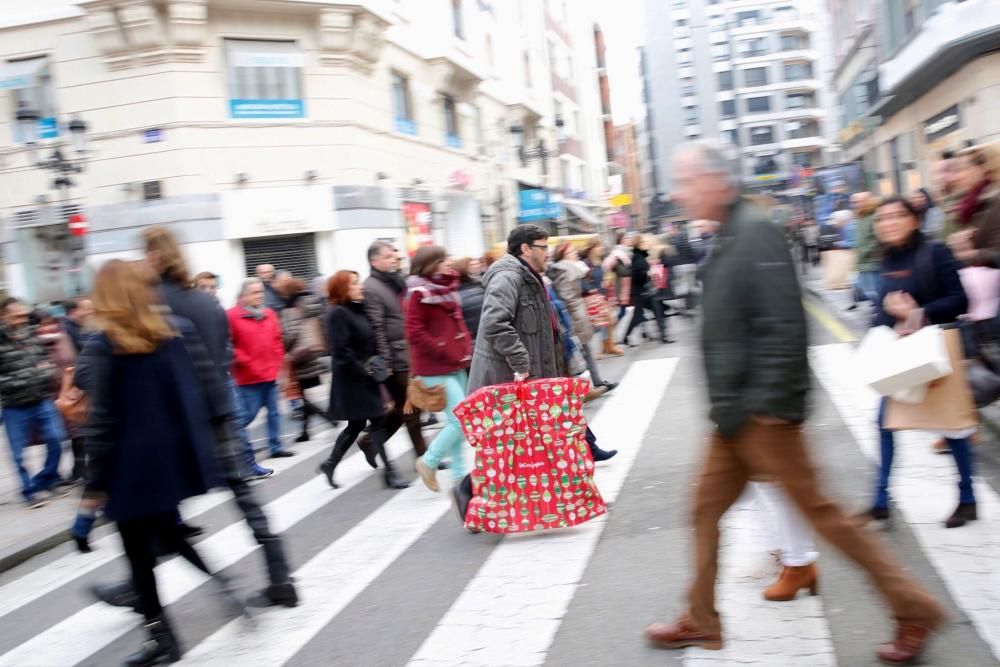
(98, 625)
(924, 486)
(510, 611)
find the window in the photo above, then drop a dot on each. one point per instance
(801, 129)
(802, 159)
(690, 115)
(527, 70)
(264, 79)
(688, 88)
(681, 29)
(794, 42)
(152, 190)
(761, 135)
(684, 56)
(765, 165)
(785, 13)
(457, 20)
(720, 51)
(800, 101)
(717, 22)
(758, 104)
(755, 76)
(490, 56)
(730, 137)
(402, 105)
(553, 57)
(480, 130)
(451, 135)
(727, 108)
(31, 86)
(750, 48)
(725, 80)
(798, 71)
(752, 17)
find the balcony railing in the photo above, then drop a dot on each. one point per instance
(406, 126)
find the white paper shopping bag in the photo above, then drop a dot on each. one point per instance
(899, 366)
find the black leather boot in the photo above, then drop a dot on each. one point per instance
(339, 449)
(368, 449)
(965, 513)
(275, 595)
(117, 595)
(161, 647)
(392, 480)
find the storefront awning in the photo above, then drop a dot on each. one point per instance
(584, 214)
(21, 73)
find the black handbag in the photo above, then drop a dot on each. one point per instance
(378, 368)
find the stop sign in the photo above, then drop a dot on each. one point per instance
(77, 224)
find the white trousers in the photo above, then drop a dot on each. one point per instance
(792, 534)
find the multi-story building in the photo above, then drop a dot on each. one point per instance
(914, 79)
(748, 72)
(289, 131)
(628, 161)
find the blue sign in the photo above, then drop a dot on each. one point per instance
(536, 204)
(152, 135)
(48, 128)
(244, 108)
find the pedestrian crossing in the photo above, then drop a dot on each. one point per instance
(510, 607)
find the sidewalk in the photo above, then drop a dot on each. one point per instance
(27, 532)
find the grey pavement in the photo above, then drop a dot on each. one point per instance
(384, 574)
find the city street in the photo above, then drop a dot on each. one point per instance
(391, 578)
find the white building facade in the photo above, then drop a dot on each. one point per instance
(294, 132)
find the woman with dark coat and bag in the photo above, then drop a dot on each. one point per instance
(644, 293)
(919, 285)
(154, 400)
(302, 331)
(355, 394)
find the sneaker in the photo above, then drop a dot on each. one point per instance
(259, 472)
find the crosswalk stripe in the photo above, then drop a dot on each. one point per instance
(98, 625)
(922, 484)
(510, 611)
(72, 566)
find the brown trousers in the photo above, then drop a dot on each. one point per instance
(396, 385)
(778, 452)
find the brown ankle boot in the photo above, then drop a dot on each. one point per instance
(681, 634)
(791, 581)
(910, 641)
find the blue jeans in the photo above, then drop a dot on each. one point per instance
(866, 286)
(960, 449)
(23, 422)
(262, 395)
(238, 421)
(450, 439)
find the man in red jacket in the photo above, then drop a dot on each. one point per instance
(257, 356)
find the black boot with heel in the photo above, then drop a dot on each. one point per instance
(160, 648)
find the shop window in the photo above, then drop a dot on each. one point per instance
(760, 136)
(30, 85)
(758, 104)
(755, 76)
(265, 79)
(451, 134)
(402, 105)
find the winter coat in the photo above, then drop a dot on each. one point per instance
(27, 374)
(77, 335)
(439, 340)
(516, 330)
(593, 282)
(257, 346)
(272, 299)
(302, 330)
(928, 272)
(384, 308)
(868, 249)
(208, 318)
(472, 304)
(567, 280)
(754, 334)
(986, 223)
(149, 433)
(353, 392)
(641, 282)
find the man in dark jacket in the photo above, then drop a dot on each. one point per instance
(754, 349)
(27, 385)
(78, 314)
(209, 320)
(518, 331)
(385, 289)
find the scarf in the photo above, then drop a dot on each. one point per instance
(441, 289)
(395, 280)
(250, 313)
(970, 202)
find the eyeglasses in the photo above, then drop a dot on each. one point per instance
(540, 247)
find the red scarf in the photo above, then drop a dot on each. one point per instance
(970, 202)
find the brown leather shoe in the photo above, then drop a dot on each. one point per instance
(791, 581)
(911, 640)
(681, 634)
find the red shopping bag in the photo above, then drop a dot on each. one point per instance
(533, 469)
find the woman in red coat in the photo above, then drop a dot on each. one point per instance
(440, 351)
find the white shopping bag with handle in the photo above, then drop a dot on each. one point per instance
(902, 366)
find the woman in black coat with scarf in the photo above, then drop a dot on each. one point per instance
(355, 395)
(643, 293)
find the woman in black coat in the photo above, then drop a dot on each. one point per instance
(643, 293)
(355, 396)
(154, 400)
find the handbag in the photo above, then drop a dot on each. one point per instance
(72, 401)
(421, 397)
(310, 347)
(377, 368)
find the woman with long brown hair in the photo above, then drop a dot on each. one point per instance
(153, 395)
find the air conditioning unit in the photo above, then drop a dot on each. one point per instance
(152, 190)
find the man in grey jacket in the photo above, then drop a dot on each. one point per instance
(518, 330)
(385, 290)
